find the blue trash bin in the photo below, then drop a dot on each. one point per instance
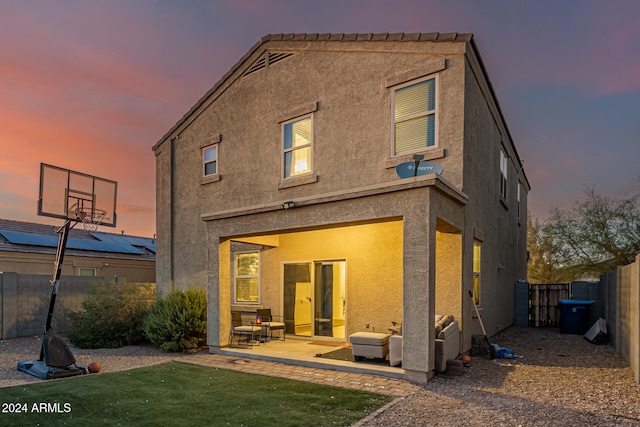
(574, 315)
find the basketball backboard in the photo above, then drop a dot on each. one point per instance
(76, 196)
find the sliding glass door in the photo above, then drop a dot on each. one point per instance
(315, 298)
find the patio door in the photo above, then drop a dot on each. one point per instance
(315, 299)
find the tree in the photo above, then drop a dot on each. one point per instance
(597, 235)
(544, 265)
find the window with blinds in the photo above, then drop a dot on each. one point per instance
(298, 140)
(414, 108)
(247, 277)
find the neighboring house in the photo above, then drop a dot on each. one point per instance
(27, 260)
(29, 248)
(278, 189)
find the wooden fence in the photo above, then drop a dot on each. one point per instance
(543, 304)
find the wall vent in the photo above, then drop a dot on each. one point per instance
(268, 58)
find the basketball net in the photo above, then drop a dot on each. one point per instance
(90, 218)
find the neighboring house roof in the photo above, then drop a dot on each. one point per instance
(338, 37)
(18, 236)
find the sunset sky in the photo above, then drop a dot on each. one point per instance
(93, 85)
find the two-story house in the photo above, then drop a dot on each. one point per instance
(289, 186)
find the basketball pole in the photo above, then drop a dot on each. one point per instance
(57, 271)
(56, 359)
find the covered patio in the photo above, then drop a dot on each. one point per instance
(304, 352)
(399, 262)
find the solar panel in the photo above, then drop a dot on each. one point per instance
(103, 242)
(143, 242)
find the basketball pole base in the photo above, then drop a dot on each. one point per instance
(39, 369)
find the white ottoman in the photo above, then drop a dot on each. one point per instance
(369, 344)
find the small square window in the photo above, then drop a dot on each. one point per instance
(87, 272)
(210, 160)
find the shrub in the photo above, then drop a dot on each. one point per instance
(178, 322)
(113, 315)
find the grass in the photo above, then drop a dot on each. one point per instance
(179, 394)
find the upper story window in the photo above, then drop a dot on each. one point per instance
(414, 112)
(297, 146)
(210, 160)
(518, 199)
(503, 174)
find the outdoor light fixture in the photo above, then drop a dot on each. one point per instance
(287, 205)
(417, 158)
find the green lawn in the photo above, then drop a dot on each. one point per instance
(179, 394)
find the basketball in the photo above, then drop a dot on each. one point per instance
(94, 367)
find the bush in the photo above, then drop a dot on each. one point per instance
(179, 321)
(113, 315)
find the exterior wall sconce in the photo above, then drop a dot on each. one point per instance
(288, 205)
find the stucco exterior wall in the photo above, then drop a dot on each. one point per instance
(448, 280)
(164, 218)
(493, 221)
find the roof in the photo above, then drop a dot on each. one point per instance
(18, 236)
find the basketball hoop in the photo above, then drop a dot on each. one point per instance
(90, 217)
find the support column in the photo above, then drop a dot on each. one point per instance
(418, 295)
(218, 291)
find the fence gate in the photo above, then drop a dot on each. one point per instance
(543, 304)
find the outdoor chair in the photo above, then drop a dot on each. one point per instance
(243, 336)
(267, 321)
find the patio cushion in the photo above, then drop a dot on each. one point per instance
(450, 329)
(369, 338)
(247, 328)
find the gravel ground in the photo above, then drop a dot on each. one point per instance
(560, 380)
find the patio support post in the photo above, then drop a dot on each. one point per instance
(218, 299)
(419, 294)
